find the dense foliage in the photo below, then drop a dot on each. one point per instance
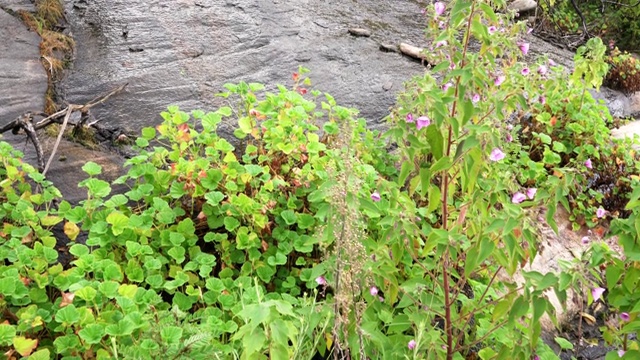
(614, 21)
(311, 235)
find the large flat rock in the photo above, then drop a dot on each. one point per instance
(23, 81)
(183, 52)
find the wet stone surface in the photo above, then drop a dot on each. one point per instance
(23, 79)
(183, 52)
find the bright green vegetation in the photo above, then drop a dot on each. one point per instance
(309, 233)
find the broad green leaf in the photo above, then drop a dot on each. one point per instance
(7, 333)
(92, 168)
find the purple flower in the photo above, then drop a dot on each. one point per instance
(439, 6)
(441, 25)
(321, 280)
(525, 71)
(475, 98)
(499, 80)
(423, 11)
(621, 353)
(518, 198)
(409, 118)
(597, 293)
(509, 137)
(524, 47)
(492, 29)
(542, 69)
(531, 193)
(588, 164)
(422, 121)
(441, 43)
(585, 240)
(496, 155)
(542, 99)
(375, 196)
(373, 291)
(552, 63)
(411, 345)
(600, 213)
(381, 298)
(625, 317)
(446, 86)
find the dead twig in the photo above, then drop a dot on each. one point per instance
(24, 121)
(70, 109)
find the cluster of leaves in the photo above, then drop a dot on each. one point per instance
(212, 250)
(566, 134)
(615, 21)
(302, 236)
(624, 73)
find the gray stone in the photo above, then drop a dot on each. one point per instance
(18, 5)
(23, 78)
(359, 32)
(521, 6)
(192, 48)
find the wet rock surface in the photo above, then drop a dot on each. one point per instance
(17, 5)
(22, 78)
(183, 52)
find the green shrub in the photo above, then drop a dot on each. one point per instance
(624, 73)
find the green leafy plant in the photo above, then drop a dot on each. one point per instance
(624, 74)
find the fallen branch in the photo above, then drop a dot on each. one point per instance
(24, 122)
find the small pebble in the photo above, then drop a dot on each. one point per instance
(359, 32)
(389, 48)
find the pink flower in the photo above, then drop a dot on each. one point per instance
(375, 196)
(552, 63)
(529, 30)
(411, 345)
(422, 121)
(441, 43)
(441, 25)
(518, 198)
(499, 80)
(597, 293)
(492, 29)
(525, 71)
(423, 11)
(373, 291)
(542, 70)
(600, 213)
(531, 193)
(542, 99)
(409, 118)
(475, 98)
(496, 155)
(509, 137)
(625, 317)
(621, 353)
(585, 240)
(588, 164)
(446, 86)
(381, 298)
(439, 7)
(321, 280)
(524, 47)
